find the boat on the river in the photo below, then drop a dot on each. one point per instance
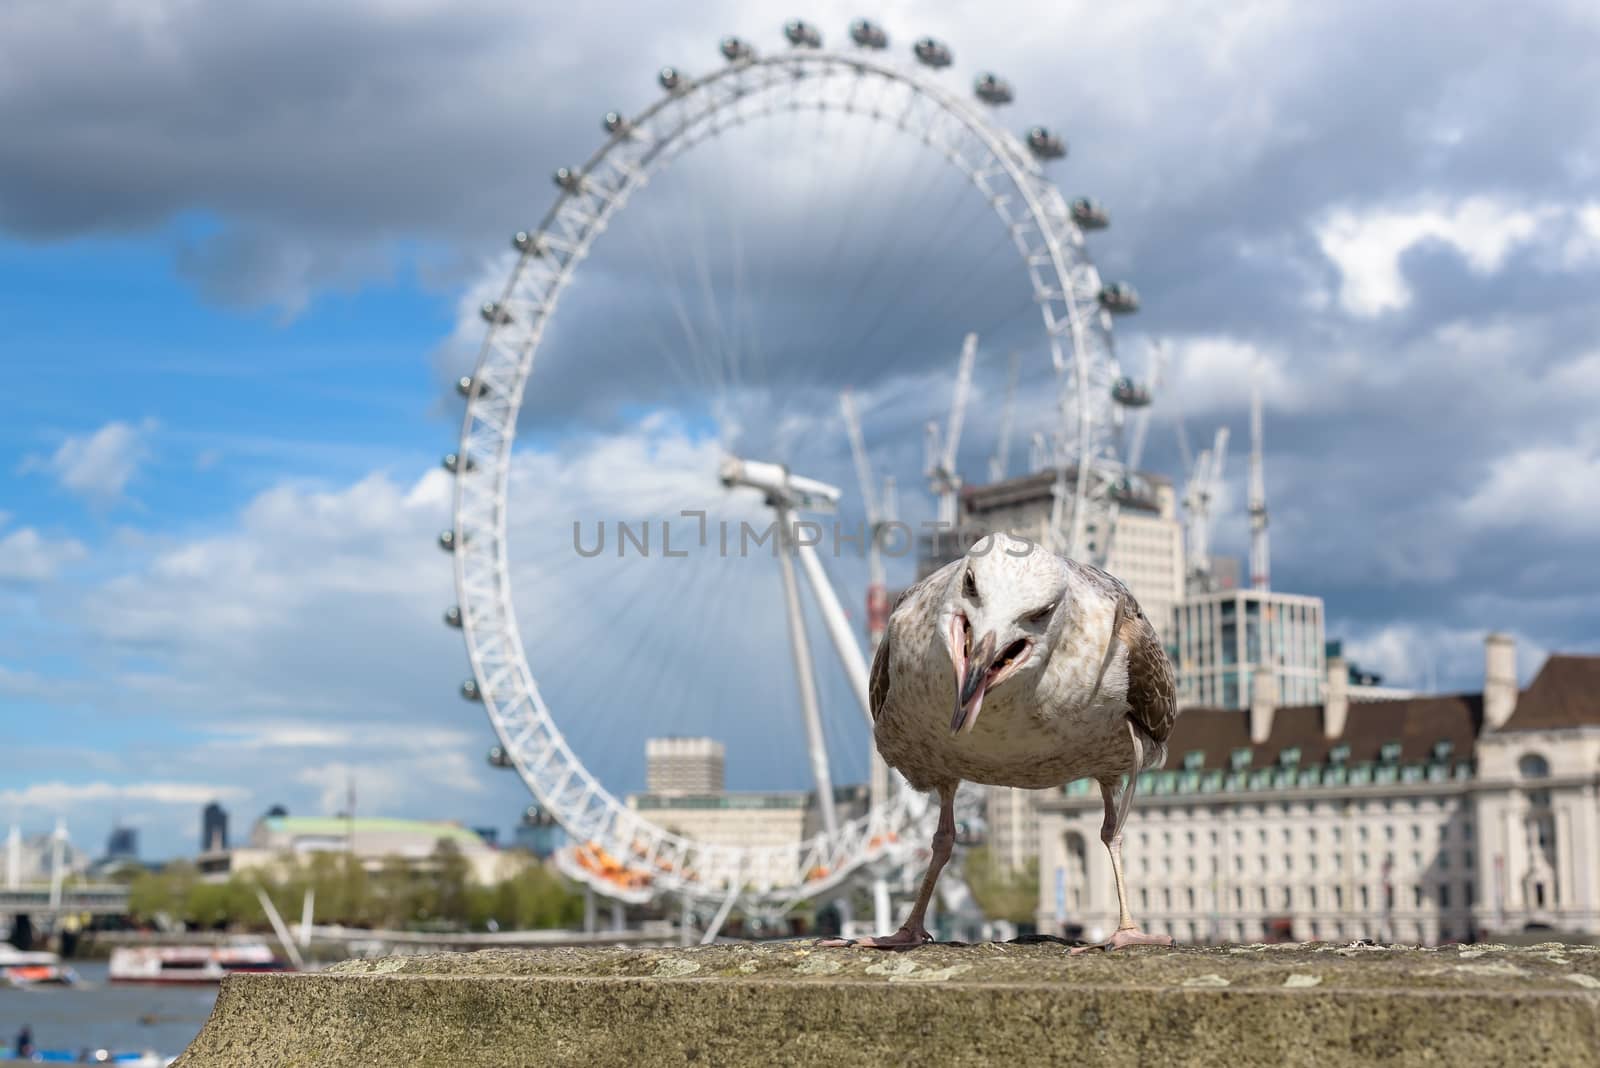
(192, 964)
(21, 968)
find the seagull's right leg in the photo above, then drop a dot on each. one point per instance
(1128, 933)
(912, 933)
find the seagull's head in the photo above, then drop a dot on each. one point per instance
(1000, 618)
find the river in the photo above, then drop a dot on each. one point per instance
(96, 1014)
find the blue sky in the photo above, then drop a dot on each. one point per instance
(240, 255)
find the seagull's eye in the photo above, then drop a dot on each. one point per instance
(1043, 614)
(969, 585)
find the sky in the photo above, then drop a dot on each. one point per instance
(242, 248)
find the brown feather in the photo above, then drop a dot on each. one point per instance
(1152, 691)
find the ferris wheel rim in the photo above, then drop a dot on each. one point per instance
(487, 615)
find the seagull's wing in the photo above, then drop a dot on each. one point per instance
(878, 683)
(1152, 691)
(910, 597)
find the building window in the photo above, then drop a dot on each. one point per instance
(1445, 934)
(1191, 864)
(1316, 931)
(1338, 835)
(1366, 900)
(1166, 899)
(1144, 899)
(1388, 832)
(1311, 861)
(1262, 894)
(1416, 832)
(1288, 862)
(1286, 836)
(1311, 896)
(1338, 899)
(1288, 897)
(1262, 859)
(1533, 766)
(1238, 863)
(1190, 894)
(1364, 864)
(1311, 835)
(1444, 895)
(1466, 859)
(1416, 896)
(1238, 902)
(1361, 832)
(1466, 893)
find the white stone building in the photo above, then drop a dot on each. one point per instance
(1429, 819)
(684, 765)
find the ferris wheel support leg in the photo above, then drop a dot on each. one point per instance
(715, 926)
(882, 914)
(800, 646)
(839, 631)
(588, 910)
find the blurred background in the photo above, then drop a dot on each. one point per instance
(1143, 283)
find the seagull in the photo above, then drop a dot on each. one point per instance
(1066, 671)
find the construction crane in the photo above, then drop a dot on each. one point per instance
(943, 481)
(1204, 478)
(1260, 553)
(1002, 448)
(881, 512)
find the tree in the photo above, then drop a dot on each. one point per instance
(1002, 894)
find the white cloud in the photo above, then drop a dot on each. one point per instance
(25, 556)
(1553, 487)
(1431, 657)
(1212, 374)
(98, 466)
(1366, 246)
(57, 794)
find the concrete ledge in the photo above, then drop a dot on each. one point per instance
(787, 1003)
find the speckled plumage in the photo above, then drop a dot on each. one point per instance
(1067, 720)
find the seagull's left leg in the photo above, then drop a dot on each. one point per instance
(912, 932)
(1128, 933)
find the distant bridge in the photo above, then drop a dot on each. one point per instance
(99, 899)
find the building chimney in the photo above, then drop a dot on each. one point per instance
(1336, 702)
(1499, 680)
(1263, 702)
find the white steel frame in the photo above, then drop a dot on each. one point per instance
(1066, 287)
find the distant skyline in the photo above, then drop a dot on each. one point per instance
(241, 255)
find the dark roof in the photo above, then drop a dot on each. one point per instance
(1417, 723)
(1565, 693)
(1040, 485)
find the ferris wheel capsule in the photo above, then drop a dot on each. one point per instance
(868, 34)
(466, 383)
(1131, 394)
(568, 179)
(802, 34)
(453, 463)
(523, 241)
(1089, 215)
(1119, 298)
(494, 314)
(1045, 145)
(447, 541)
(470, 691)
(452, 616)
(499, 758)
(992, 89)
(615, 123)
(735, 49)
(931, 53)
(670, 79)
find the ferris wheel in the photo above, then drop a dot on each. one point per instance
(591, 651)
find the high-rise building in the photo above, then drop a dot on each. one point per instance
(123, 844)
(1424, 819)
(538, 832)
(683, 766)
(1222, 637)
(213, 828)
(1146, 553)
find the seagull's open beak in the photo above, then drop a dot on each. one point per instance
(979, 671)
